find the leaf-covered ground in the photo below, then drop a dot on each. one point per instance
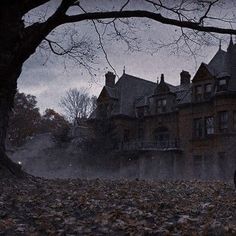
(121, 207)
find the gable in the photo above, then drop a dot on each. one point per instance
(103, 96)
(202, 74)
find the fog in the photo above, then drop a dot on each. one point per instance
(42, 156)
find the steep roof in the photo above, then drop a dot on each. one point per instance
(112, 92)
(218, 64)
(130, 89)
(183, 93)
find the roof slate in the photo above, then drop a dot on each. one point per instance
(131, 91)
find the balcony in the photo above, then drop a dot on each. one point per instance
(166, 145)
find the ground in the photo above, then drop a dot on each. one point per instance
(116, 207)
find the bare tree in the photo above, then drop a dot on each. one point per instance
(20, 39)
(76, 104)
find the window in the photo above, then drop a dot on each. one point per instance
(197, 126)
(234, 120)
(198, 93)
(222, 82)
(208, 89)
(209, 125)
(161, 105)
(222, 85)
(223, 121)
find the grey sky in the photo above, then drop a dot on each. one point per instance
(48, 82)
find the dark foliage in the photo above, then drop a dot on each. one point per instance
(26, 121)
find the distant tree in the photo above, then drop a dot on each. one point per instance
(77, 104)
(93, 104)
(25, 119)
(56, 124)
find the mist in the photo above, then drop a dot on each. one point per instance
(42, 156)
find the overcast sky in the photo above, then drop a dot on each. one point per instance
(48, 78)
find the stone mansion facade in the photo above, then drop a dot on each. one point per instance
(196, 119)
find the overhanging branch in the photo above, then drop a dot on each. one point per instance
(143, 14)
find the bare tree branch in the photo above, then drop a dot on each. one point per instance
(143, 14)
(101, 41)
(207, 11)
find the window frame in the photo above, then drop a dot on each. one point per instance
(161, 105)
(223, 119)
(224, 86)
(207, 94)
(209, 127)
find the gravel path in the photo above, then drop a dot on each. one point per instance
(122, 207)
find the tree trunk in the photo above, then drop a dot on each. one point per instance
(11, 31)
(7, 93)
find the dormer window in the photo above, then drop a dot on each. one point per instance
(161, 105)
(198, 93)
(222, 84)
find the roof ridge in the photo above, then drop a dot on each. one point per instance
(138, 78)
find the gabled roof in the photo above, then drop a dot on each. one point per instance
(204, 72)
(112, 92)
(218, 64)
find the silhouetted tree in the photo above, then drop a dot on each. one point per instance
(25, 120)
(77, 104)
(56, 124)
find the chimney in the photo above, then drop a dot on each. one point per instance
(110, 79)
(162, 78)
(184, 77)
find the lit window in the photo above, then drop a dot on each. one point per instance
(197, 126)
(223, 120)
(209, 125)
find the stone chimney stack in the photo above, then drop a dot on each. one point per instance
(184, 77)
(110, 79)
(162, 78)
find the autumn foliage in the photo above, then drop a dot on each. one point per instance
(26, 120)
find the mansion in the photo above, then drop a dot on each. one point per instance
(196, 119)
